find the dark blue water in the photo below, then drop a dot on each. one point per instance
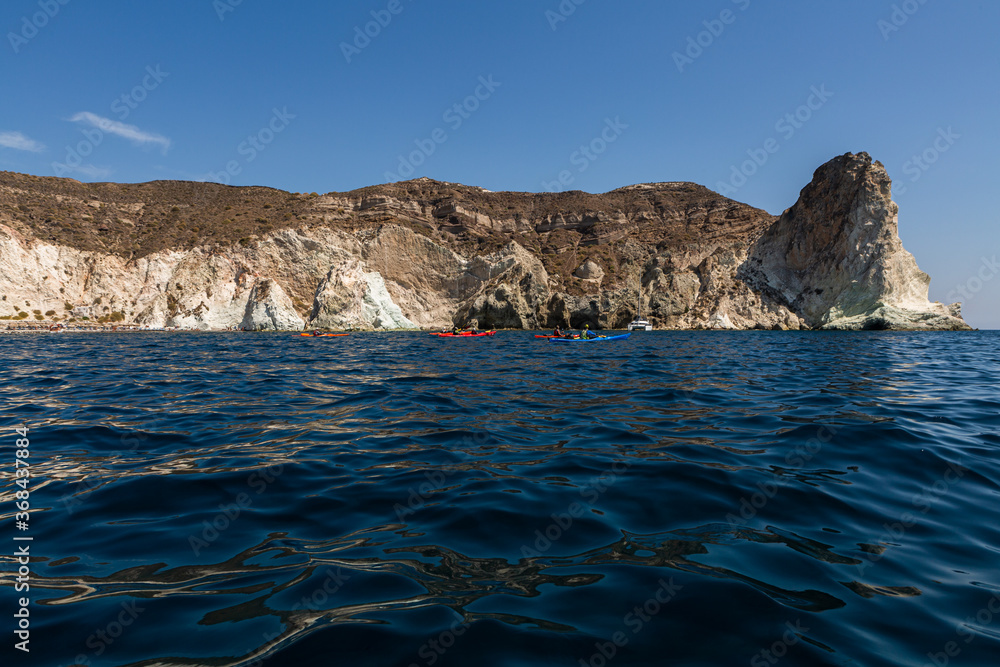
(707, 498)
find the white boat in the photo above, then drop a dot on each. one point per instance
(639, 324)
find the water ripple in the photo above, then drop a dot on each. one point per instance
(677, 498)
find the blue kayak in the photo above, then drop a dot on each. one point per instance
(599, 339)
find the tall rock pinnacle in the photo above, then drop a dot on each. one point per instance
(835, 257)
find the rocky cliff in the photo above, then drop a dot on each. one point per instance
(835, 257)
(429, 254)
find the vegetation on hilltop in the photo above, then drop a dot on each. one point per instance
(562, 229)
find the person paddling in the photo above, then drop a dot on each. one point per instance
(586, 333)
(556, 332)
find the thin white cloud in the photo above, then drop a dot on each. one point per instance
(130, 132)
(18, 141)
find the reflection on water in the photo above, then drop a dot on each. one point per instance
(239, 500)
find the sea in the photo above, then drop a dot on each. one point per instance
(724, 498)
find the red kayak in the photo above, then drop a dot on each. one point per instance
(322, 335)
(463, 335)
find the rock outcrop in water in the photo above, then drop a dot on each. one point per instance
(429, 254)
(835, 257)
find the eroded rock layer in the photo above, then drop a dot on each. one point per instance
(429, 254)
(835, 257)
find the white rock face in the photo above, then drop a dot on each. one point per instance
(266, 286)
(720, 320)
(835, 257)
(426, 280)
(270, 309)
(378, 308)
(352, 298)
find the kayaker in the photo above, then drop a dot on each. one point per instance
(586, 333)
(556, 332)
(454, 330)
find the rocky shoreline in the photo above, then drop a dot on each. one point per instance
(426, 255)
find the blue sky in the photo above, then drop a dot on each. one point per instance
(504, 95)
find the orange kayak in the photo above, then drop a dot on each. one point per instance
(326, 335)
